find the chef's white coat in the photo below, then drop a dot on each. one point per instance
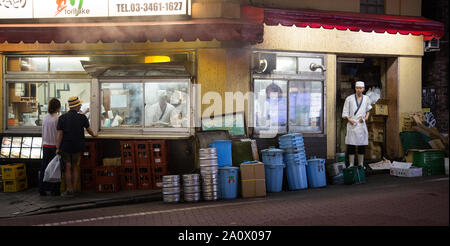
(153, 114)
(356, 134)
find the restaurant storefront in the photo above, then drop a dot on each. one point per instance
(120, 66)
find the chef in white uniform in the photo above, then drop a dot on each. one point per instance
(159, 113)
(356, 111)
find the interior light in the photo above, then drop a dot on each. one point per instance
(157, 59)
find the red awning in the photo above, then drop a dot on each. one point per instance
(172, 31)
(347, 21)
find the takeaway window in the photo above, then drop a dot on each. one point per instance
(290, 98)
(150, 104)
(27, 101)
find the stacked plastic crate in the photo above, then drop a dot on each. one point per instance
(295, 159)
(14, 177)
(128, 171)
(158, 162)
(89, 161)
(143, 165)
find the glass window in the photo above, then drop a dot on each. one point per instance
(167, 104)
(270, 104)
(304, 64)
(27, 64)
(27, 101)
(372, 6)
(121, 105)
(67, 64)
(305, 106)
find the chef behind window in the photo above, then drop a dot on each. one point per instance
(160, 113)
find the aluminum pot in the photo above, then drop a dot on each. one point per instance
(169, 185)
(171, 190)
(207, 152)
(171, 178)
(210, 196)
(208, 162)
(210, 188)
(210, 182)
(191, 177)
(210, 176)
(171, 198)
(191, 189)
(192, 197)
(191, 183)
(209, 169)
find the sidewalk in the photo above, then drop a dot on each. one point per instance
(29, 202)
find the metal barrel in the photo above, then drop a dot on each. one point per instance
(191, 187)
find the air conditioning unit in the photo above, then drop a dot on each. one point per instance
(431, 45)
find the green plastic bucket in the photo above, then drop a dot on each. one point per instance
(340, 157)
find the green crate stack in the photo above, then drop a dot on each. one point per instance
(354, 175)
(431, 162)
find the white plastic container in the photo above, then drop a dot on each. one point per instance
(407, 172)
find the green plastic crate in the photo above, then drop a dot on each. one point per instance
(431, 162)
(354, 175)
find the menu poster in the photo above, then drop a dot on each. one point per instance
(25, 153)
(26, 142)
(37, 142)
(15, 153)
(17, 141)
(6, 142)
(5, 152)
(35, 153)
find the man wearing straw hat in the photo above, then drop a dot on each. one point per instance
(70, 142)
(356, 111)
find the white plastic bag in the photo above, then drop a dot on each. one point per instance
(53, 171)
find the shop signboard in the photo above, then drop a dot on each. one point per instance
(44, 9)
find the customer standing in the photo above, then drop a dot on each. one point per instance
(356, 111)
(49, 135)
(70, 142)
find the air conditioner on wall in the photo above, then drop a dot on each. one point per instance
(431, 45)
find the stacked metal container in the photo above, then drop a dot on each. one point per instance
(171, 188)
(210, 173)
(191, 187)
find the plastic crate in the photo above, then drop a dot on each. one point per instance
(157, 176)
(128, 178)
(144, 178)
(142, 154)
(15, 185)
(14, 171)
(107, 179)
(158, 151)
(87, 178)
(354, 175)
(424, 158)
(127, 150)
(90, 158)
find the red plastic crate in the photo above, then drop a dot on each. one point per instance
(158, 151)
(87, 178)
(128, 178)
(127, 150)
(90, 158)
(107, 179)
(142, 154)
(157, 176)
(144, 178)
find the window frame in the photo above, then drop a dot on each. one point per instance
(146, 131)
(309, 76)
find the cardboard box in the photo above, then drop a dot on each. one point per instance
(111, 162)
(376, 132)
(380, 109)
(436, 144)
(375, 119)
(373, 151)
(253, 180)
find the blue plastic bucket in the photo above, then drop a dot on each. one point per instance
(296, 176)
(295, 158)
(316, 173)
(223, 149)
(272, 156)
(228, 182)
(274, 177)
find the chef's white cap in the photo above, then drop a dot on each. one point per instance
(162, 93)
(359, 84)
